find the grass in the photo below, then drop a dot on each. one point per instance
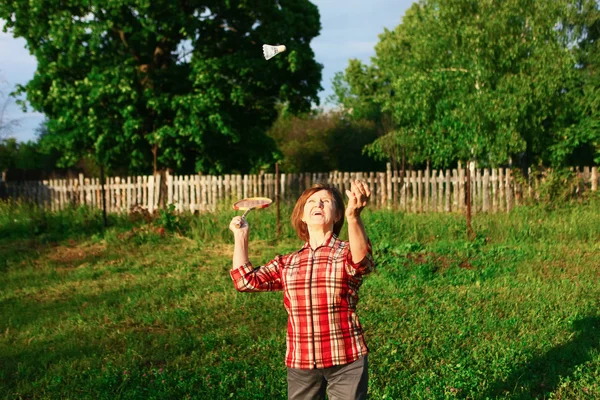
(136, 312)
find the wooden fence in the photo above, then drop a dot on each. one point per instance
(492, 190)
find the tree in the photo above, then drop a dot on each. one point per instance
(323, 141)
(8, 145)
(166, 83)
(6, 125)
(8, 155)
(358, 91)
(580, 145)
(27, 160)
(486, 80)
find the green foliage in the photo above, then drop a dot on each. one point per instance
(179, 85)
(23, 220)
(359, 92)
(168, 219)
(484, 80)
(21, 158)
(323, 141)
(9, 149)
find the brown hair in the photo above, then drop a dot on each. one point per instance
(298, 213)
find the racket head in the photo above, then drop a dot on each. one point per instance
(251, 203)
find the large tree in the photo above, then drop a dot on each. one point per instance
(581, 143)
(487, 80)
(7, 124)
(169, 83)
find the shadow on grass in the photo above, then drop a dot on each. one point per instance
(542, 375)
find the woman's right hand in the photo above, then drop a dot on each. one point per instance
(238, 225)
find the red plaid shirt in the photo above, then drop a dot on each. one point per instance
(320, 295)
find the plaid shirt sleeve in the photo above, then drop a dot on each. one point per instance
(266, 278)
(364, 266)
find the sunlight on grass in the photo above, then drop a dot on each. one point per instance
(131, 312)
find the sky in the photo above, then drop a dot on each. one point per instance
(349, 29)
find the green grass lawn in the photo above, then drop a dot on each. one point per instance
(128, 313)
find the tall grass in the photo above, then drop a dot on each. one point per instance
(145, 309)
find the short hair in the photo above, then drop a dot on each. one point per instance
(298, 213)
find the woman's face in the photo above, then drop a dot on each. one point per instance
(320, 209)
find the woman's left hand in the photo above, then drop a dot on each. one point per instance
(358, 197)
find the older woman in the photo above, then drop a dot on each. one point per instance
(326, 349)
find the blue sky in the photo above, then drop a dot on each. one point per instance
(350, 29)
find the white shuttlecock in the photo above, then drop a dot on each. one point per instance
(271, 51)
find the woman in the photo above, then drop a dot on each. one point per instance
(326, 350)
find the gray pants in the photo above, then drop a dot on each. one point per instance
(342, 382)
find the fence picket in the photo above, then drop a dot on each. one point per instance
(492, 190)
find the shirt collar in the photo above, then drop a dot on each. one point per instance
(330, 242)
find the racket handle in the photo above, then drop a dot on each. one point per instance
(243, 218)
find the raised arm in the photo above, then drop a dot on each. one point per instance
(358, 198)
(245, 277)
(239, 227)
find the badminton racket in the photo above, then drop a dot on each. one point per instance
(251, 203)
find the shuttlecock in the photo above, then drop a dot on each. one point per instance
(271, 51)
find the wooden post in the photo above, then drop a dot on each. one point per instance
(192, 189)
(214, 193)
(227, 187)
(473, 174)
(434, 191)
(151, 193)
(185, 187)
(157, 189)
(395, 189)
(169, 189)
(118, 194)
(204, 184)
(220, 188)
(509, 187)
(129, 192)
(461, 190)
(94, 192)
(494, 189)
(501, 190)
(239, 187)
(470, 233)
(440, 190)
(529, 184)
(404, 191)
(145, 193)
(427, 191)
(420, 191)
(81, 199)
(389, 185)
(486, 190)
(449, 191)
(103, 189)
(594, 179)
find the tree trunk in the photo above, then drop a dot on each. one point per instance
(154, 156)
(163, 190)
(402, 169)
